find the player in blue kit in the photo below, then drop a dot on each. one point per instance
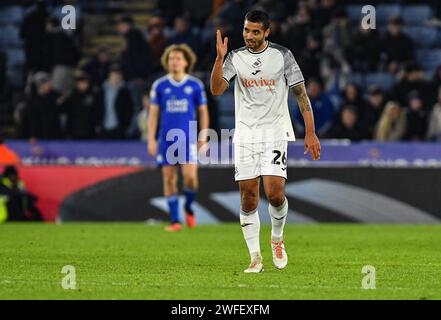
(176, 101)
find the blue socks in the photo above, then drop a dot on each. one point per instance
(173, 207)
(173, 204)
(190, 195)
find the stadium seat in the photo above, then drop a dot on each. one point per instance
(356, 78)
(423, 36)
(9, 36)
(429, 58)
(417, 14)
(386, 11)
(354, 12)
(15, 57)
(15, 76)
(11, 15)
(384, 80)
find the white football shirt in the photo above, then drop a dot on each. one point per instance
(261, 90)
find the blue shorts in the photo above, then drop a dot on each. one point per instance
(172, 153)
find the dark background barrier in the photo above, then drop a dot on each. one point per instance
(353, 182)
(357, 194)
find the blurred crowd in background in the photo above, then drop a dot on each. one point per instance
(92, 82)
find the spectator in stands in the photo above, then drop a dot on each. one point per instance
(324, 113)
(271, 7)
(364, 51)
(33, 32)
(298, 27)
(434, 129)
(315, 12)
(136, 62)
(116, 106)
(43, 109)
(143, 117)
(324, 13)
(335, 41)
(136, 57)
(337, 37)
(392, 124)
(16, 203)
(184, 33)
(6, 93)
(309, 57)
(397, 46)
(169, 9)
(97, 67)
(156, 40)
(435, 83)
(82, 108)
(416, 115)
(413, 80)
(3, 64)
(276, 35)
(348, 126)
(352, 96)
(370, 115)
(231, 14)
(198, 11)
(64, 57)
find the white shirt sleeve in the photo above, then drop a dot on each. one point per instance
(293, 74)
(228, 69)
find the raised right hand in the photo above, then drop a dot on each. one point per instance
(221, 46)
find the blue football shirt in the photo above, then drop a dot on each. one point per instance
(178, 102)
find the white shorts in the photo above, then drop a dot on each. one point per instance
(252, 160)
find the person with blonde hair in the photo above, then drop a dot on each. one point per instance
(392, 123)
(176, 100)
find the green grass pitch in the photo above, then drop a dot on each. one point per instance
(139, 261)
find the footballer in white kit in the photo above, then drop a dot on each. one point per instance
(264, 73)
(263, 124)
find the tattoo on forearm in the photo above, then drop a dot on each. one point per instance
(302, 98)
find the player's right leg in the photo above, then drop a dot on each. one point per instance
(170, 184)
(246, 161)
(250, 222)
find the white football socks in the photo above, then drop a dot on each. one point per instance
(250, 223)
(278, 219)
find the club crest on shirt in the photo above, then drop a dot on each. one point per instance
(257, 64)
(188, 89)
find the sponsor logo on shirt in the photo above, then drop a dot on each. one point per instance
(249, 83)
(177, 105)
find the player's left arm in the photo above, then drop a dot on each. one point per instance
(312, 143)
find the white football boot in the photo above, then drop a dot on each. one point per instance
(256, 265)
(280, 259)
